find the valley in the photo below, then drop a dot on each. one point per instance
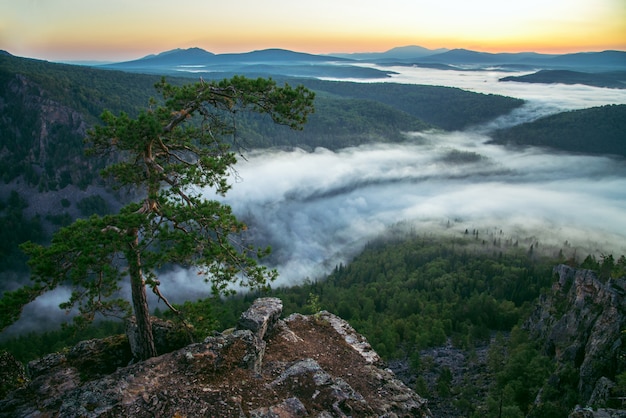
(395, 208)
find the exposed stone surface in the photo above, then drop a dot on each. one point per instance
(302, 367)
(12, 374)
(601, 392)
(599, 413)
(291, 407)
(580, 324)
(98, 357)
(261, 316)
(357, 341)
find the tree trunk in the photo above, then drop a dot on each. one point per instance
(145, 341)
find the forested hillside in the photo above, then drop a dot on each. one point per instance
(609, 79)
(84, 89)
(45, 111)
(346, 113)
(598, 130)
(448, 108)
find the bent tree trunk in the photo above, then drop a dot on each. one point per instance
(145, 341)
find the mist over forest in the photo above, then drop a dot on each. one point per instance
(314, 219)
(317, 208)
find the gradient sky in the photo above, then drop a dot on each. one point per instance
(127, 29)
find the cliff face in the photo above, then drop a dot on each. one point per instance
(301, 366)
(580, 323)
(39, 133)
(42, 152)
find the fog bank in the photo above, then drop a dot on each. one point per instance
(316, 209)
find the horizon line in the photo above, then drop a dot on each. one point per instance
(434, 50)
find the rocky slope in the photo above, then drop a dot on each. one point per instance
(301, 366)
(39, 131)
(580, 324)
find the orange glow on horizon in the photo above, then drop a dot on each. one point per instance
(120, 30)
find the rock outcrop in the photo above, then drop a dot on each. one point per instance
(12, 374)
(580, 323)
(300, 366)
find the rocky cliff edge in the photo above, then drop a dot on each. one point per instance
(580, 324)
(268, 367)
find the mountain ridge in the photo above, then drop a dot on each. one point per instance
(407, 54)
(608, 79)
(197, 55)
(409, 51)
(590, 60)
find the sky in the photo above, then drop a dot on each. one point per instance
(118, 30)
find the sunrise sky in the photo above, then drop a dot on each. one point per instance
(117, 30)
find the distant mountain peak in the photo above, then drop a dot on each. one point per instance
(412, 48)
(198, 56)
(192, 55)
(279, 53)
(187, 51)
(408, 52)
(463, 51)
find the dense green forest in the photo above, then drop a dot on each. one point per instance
(609, 79)
(337, 123)
(84, 89)
(15, 229)
(412, 291)
(46, 110)
(448, 108)
(598, 130)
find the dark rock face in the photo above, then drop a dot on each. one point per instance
(42, 127)
(301, 366)
(12, 374)
(580, 324)
(95, 358)
(580, 412)
(261, 316)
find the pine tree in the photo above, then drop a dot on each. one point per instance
(170, 155)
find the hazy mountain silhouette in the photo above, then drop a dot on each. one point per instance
(173, 57)
(610, 60)
(605, 58)
(198, 56)
(399, 53)
(290, 63)
(587, 60)
(267, 62)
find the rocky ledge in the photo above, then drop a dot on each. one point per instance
(580, 324)
(268, 367)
